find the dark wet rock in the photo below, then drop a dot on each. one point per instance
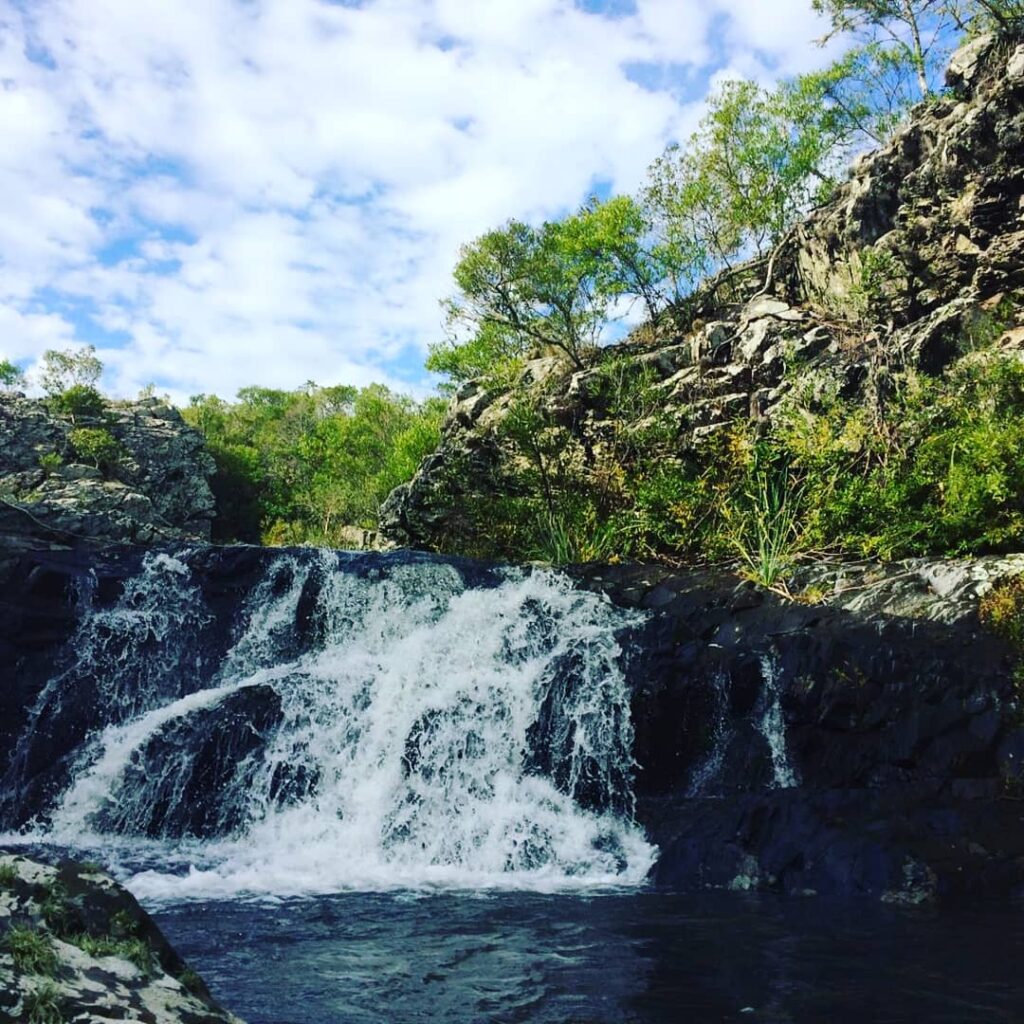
(898, 718)
(106, 961)
(179, 782)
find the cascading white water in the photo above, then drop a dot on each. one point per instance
(706, 778)
(773, 727)
(403, 744)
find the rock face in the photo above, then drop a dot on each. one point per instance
(76, 946)
(915, 257)
(870, 744)
(156, 490)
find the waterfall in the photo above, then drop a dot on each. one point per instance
(706, 778)
(370, 722)
(772, 726)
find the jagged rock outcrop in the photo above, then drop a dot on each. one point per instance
(76, 946)
(155, 490)
(916, 256)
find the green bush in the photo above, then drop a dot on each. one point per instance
(297, 466)
(78, 400)
(134, 950)
(10, 375)
(1001, 610)
(50, 463)
(43, 1004)
(95, 445)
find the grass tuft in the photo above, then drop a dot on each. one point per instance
(31, 950)
(44, 1004)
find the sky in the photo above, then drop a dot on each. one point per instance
(219, 193)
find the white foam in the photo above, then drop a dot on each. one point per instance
(412, 715)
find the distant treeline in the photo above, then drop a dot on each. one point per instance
(295, 467)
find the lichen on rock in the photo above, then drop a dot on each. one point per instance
(154, 489)
(76, 946)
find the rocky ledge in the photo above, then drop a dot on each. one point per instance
(866, 738)
(154, 489)
(76, 948)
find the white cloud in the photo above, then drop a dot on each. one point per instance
(274, 190)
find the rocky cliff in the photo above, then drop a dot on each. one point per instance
(915, 259)
(154, 487)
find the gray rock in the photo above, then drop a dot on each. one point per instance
(965, 63)
(141, 978)
(157, 490)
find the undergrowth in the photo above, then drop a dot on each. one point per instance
(914, 465)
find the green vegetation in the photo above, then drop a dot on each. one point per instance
(191, 982)
(10, 375)
(296, 467)
(66, 368)
(31, 950)
(8, 876)
(95, 445)
(930, 465)
(43, 1004)
(134, 950)
(50, 463)
(1001, 610)
(56, 908)
(77, 401)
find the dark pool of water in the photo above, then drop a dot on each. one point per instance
(647, 958)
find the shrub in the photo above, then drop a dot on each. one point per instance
(94, 444)
(1001, 610)
(762, 524)
(43, 1004)
(50, 463)
(133, 950)
(56, 908)
(76, 401)
(8, 876)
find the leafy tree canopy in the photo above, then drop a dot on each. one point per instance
(298, 466)
(62, 369)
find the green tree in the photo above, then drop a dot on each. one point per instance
(757, 161)
(10, 375)
(1003, 14)
(62, 369)
(520, 287)
(95, 445)
(297, 466)
(910, 29)
(612, 242)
